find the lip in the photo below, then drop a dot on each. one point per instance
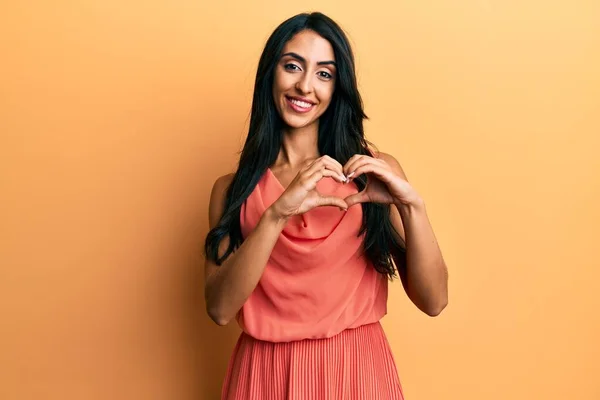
(304, 99)
(296, 108)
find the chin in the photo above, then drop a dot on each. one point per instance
(296, 122)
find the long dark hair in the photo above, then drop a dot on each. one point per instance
(341, 136)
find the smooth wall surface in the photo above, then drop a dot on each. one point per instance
(117, 117)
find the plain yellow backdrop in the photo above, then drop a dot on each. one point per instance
(117, 117)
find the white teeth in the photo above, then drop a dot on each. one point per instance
(302, 104)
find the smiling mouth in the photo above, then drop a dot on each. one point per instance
(299, 105)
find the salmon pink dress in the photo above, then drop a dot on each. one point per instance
(310, 329)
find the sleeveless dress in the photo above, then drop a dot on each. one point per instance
(310, 329)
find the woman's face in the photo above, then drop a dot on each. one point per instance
(304, 79)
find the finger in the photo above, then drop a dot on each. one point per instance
(314, 165)
(353, 199)
(359, 163)
(310, 182)
(332, 201)
(355, 162)
(349, 162)
(330, 173)
(335, 164)
(324, 164)
(309, 164)
(367, 160)
(378, 170)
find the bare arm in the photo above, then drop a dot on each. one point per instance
(424, 274)
(229, 285)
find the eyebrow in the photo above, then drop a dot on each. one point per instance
(302, 59)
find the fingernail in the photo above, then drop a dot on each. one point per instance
(343, 178)
(350, 174)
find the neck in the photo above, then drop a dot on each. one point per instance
(298, 146)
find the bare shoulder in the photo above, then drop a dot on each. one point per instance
(392, 162)
(217, 199)
(223, 182)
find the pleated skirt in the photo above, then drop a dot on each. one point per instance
(355, 364)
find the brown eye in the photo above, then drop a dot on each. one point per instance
(291, 67)
(325, 75)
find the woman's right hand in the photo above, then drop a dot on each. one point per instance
(301, 195)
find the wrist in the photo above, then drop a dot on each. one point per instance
(409, 206)
(272, 216)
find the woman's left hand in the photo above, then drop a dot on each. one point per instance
(384, 185)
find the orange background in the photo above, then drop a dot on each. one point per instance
(117, 117)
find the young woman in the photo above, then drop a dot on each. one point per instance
(304, 236)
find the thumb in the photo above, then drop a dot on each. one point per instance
(353, 199)
(333, 201)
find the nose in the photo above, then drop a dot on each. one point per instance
(304, 84)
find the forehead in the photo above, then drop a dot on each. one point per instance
(311, 46)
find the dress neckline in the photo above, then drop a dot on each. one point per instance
(276, 179)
